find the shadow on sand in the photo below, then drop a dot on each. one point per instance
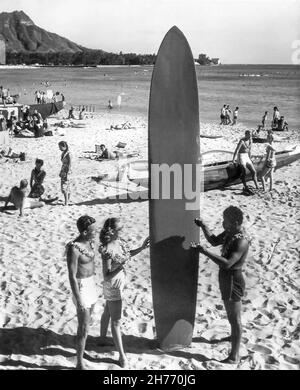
(29, 341)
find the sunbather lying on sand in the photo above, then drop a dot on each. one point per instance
(108, 155)
(18, 198)
(8, 153)
(126, 125)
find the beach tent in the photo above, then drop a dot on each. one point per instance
(11, 109)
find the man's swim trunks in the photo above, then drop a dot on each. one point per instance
(88, 291)
(232, 284)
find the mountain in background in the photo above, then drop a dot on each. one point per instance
(26, 43)
(22, 35)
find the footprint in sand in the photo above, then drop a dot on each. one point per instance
(142, 327)
(291, 359)
(261, 349)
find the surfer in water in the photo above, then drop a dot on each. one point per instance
(243, 154)
(115, 254)
(235, 245)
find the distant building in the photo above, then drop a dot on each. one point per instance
(2, 51)
(215, 61)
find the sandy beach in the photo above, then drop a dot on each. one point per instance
(38, 319)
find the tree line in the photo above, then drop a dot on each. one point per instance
(87, 58)
(84, 58)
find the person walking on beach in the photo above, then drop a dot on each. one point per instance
(110, 106)
(243, 155)
(81, 113)
(119, 101)
(71, 113)
(227, 115)
(235, 245)
(270, 163)
(17, 197)
(115, 254)
(222, 116)
(65, 170)
(235, 116)
(81, 267)
(276, 117)
(264, 119)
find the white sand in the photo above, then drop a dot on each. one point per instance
(37, 318)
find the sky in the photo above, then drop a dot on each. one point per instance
(236, 31)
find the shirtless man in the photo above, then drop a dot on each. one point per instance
(235, 245)
(81, 267)
(17, 197)
(243, 154)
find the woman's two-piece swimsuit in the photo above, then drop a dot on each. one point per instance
(231, 281)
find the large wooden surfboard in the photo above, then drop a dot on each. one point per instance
(173, 138)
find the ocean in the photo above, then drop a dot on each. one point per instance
(253, 88)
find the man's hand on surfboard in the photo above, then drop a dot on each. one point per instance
(198, 222)
(199, 247)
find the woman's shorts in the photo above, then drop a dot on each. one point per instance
(232, 285)
(111, 292)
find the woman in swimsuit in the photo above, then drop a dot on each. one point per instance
(65, 170)
(235, 246)
(270, 163)
(115, 254)
(37, 179)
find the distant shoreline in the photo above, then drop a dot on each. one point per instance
(125, 66)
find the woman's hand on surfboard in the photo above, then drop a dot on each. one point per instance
(146, 243)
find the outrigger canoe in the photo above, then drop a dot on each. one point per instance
(216, 175)
(45, 109)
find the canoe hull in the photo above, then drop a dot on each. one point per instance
(219, 175)
(227, 174)
(47, 109)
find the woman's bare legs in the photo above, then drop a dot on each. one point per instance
(115, 311)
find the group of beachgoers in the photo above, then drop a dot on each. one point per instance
(278, 122)
(28, 125)
(41, 97)
(18, 195)
(225, 115)
(242, 156)
(115, 254)
(81, 114)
